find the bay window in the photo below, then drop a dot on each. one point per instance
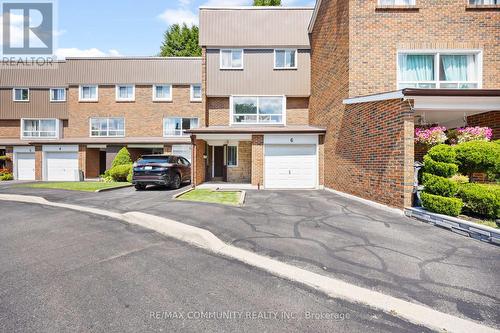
(39, 128)
(445, 70)
(125, 93)
(231, 59)
(258, 110)
(108, 127)
(178, 126)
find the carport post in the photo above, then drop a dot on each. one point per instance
(193, 160)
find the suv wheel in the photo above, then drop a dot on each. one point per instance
(140, 187)
(176, 183)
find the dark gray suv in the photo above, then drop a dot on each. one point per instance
(165, 170)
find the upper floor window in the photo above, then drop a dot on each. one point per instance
(258, 110)
(178, 126)
(21, 94)
(231, 59)
(162, 93)
(57, 94)
(456, 70)
(39, 128)
(484, 2)
(125, 93)
(396, 2)
(285, 59)
(196, 92)
(112, 127)
(89, 93)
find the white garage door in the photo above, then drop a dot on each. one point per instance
(62, 166)
(25, 166)
(290, 166)
(182, 150)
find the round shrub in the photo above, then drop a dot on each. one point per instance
(478, 156)
(441, 205)
(439, 185)
(439, 168)
(119, 173)
(6, 176)
(123, 157)
(442, 153)
(481, 199)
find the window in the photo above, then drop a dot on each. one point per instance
(177, 126)
(396, 2)
(196, 92)
(162, 93)
(113, 127)
(39, 128)
(88, 93)
(258, 110)
(57, 94)
(455, 70)
(125, 93)
(285, 59)
(232, 156)
(21, 94)
(231, 59)
(484, 2)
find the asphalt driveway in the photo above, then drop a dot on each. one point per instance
(329, 234)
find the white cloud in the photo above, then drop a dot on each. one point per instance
(92, 52)
(179, 16)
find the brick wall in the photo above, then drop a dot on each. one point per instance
(198, 167)
(297, 111)
(489, 119)
(10, 129)
(142, 118)
(258, 160)
(38, 163)
(243, 172)
(218, 111)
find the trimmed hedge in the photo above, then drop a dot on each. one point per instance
(119, 173)
(439, 185)
(478, 156)
(441, 205)
(481, 199)
(443, 153)
(122, 158)
(130, 174)
(442, 169)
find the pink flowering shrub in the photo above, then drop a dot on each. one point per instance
(431, 136)
(477, 133)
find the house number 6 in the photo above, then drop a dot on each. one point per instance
(291, 140)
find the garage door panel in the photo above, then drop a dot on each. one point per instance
(62, 166)
(25, 166)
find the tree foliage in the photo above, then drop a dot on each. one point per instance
(267, 2)
(180, 41)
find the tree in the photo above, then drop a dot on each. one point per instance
(180, 41)
(122, 158)
(267, 2)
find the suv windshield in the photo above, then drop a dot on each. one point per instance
(156, 159)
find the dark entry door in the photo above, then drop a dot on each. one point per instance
(218, 161)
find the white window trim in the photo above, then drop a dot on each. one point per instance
(127, 99)
(80, 87)
(192, 99)
(231, 110)
(57, 101)
(182, 130)
(20, 100)
(379, 3)
(285, 68)
(437, 53)
(232, 50)
(106, 136)
(168, 99)
(43, 137)
(237, 156)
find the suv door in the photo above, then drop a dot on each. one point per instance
(186, 166)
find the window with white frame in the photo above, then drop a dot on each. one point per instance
(57, 94)
(285, 59)
(39, 128)
(162, 92)
(125, 92)
(231, 59)
(396, 2)
(232, 156)
(88, 93)
(177, 126)
(484, 2)
(196, 92)
(109, 127)
(258, 110)
(21, 94)
(452, 70)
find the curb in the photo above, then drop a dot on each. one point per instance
(414, 313)
(113, 188)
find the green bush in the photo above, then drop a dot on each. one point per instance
(119, 173)
(441, 205)
(460, 179)
(130, 174)
(478, 156)
(122, 158)
(6, 176)
(439, 168)
(439, 185)
(481, 199)
(442, 153)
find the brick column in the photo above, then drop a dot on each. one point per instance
(198, 162)
(167, 149)
(82, 159)
(409, 157)
(38, 163)
(9, 152)
(321, 160)
(258, 160)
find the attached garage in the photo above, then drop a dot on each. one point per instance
(290, 161)
(61, 163)
(182, 150)
(24, 163)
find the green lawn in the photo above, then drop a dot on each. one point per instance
(221, 197)
(74, 186)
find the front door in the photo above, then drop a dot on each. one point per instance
(218, 161)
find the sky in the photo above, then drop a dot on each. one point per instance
(127, 27)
